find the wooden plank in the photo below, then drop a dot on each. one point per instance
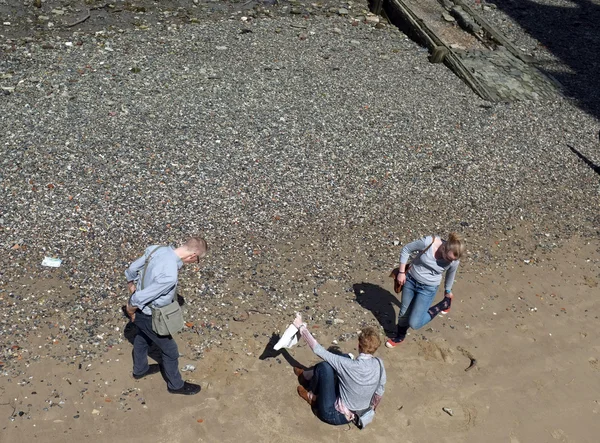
(431, 40)
(497, 36)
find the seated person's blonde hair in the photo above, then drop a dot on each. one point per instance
(368, 340)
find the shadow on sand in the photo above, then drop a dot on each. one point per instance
(380, 302)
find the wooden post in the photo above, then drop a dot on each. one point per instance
(438, 54)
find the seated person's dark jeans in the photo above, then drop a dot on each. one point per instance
(325, 385)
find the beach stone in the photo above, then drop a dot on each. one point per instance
(372, 19)
(448, 17)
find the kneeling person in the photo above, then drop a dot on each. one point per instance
(342, 389)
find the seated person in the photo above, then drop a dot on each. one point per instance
(340, 388)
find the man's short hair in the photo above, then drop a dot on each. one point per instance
(196, 245)
(369, 340)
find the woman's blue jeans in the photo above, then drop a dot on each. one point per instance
(325, 385)
(416, 300)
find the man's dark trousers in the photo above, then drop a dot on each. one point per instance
(170, 354)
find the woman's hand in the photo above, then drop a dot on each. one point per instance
(298, 320)
(131, 287)
(401, 278)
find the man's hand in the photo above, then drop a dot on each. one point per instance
(131, 311)
(131, 286)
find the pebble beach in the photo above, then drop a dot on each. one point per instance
(307, 148)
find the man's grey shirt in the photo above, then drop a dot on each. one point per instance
(160, 279)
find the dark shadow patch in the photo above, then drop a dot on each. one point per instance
(586, 160)
(380, 302)
(269, 352)
(570, 33)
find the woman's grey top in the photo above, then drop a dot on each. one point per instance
(426, 269)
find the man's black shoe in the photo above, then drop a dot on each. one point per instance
(152, 369)
(186, 389)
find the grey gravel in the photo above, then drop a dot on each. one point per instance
(302, 161)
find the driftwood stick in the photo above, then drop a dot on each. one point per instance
(431, 40)
(470, 356)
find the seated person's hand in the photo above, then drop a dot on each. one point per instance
(298, 320)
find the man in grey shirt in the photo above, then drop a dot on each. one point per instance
(158, 269)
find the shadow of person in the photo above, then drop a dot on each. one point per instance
(269, 352)
(380, 302)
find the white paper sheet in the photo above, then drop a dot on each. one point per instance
(288, 339)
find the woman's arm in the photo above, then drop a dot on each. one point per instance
(307, 336)
(450, 274)
(336, 361)
(417, 245)
(375, 402)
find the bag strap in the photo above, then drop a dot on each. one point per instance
(146, 264)
(421, 253)
(427, 248)
(378, 382)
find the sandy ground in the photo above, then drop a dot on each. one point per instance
(526, 297)
(533, 328)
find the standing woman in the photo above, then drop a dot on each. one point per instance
(420, 283)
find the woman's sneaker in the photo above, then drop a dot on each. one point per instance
(445, 311)
(393, 342)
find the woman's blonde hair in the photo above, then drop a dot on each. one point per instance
(456, 245)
